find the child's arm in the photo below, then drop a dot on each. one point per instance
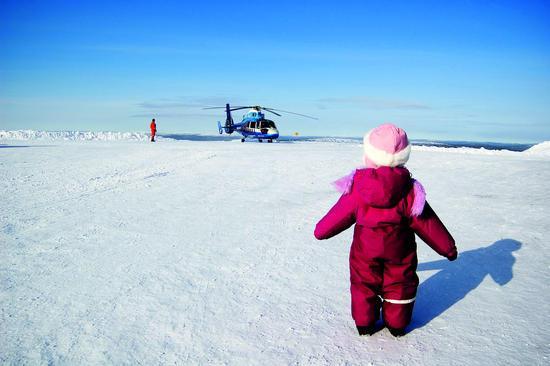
(340, 217)
(432, 231)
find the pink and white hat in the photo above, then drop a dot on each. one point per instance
(386, 145)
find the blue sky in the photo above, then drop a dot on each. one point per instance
(464, 70)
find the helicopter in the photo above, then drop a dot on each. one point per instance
(254, 124)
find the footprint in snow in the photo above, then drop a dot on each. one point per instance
(157, 175)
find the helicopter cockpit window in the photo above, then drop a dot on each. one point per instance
(252, 124)
(268, 124)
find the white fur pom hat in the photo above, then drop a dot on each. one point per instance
(386, 145)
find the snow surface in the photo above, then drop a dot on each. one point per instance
(183, 252)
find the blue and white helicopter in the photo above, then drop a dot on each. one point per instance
(254, 124)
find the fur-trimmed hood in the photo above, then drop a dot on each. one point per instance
(384, 187)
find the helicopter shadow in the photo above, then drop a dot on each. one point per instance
(457, 279)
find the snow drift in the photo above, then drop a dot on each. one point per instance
(72, 135)
(542, 149)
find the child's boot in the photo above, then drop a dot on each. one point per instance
(366, 329)
(397, 332)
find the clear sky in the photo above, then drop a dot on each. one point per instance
(460, 70)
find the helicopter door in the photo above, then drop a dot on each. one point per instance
(252, 125)
(264, 127)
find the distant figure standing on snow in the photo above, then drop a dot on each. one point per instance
(153, 130)
(388, 208)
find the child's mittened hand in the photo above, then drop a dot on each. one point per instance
(453, 256)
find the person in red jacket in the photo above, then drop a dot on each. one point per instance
(153, 127)
(388, 208)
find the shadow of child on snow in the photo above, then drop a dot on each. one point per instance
(456, 279)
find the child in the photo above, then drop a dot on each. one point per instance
(388, 208)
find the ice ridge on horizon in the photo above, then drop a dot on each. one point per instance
(143, 136)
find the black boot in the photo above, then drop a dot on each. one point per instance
(397, 332)
(366, 329)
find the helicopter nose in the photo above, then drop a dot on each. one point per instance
(269, 131)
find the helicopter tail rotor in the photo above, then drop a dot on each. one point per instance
(228, 120)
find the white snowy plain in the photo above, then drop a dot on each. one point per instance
(199, 253)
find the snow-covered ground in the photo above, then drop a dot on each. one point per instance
(182, 252)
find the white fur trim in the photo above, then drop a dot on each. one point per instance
(383, 158)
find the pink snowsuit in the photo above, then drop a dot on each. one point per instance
(388, 208)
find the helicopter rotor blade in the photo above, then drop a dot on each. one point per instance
(237, 108)
(270, 111)
(232, 108)
(298, 114)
